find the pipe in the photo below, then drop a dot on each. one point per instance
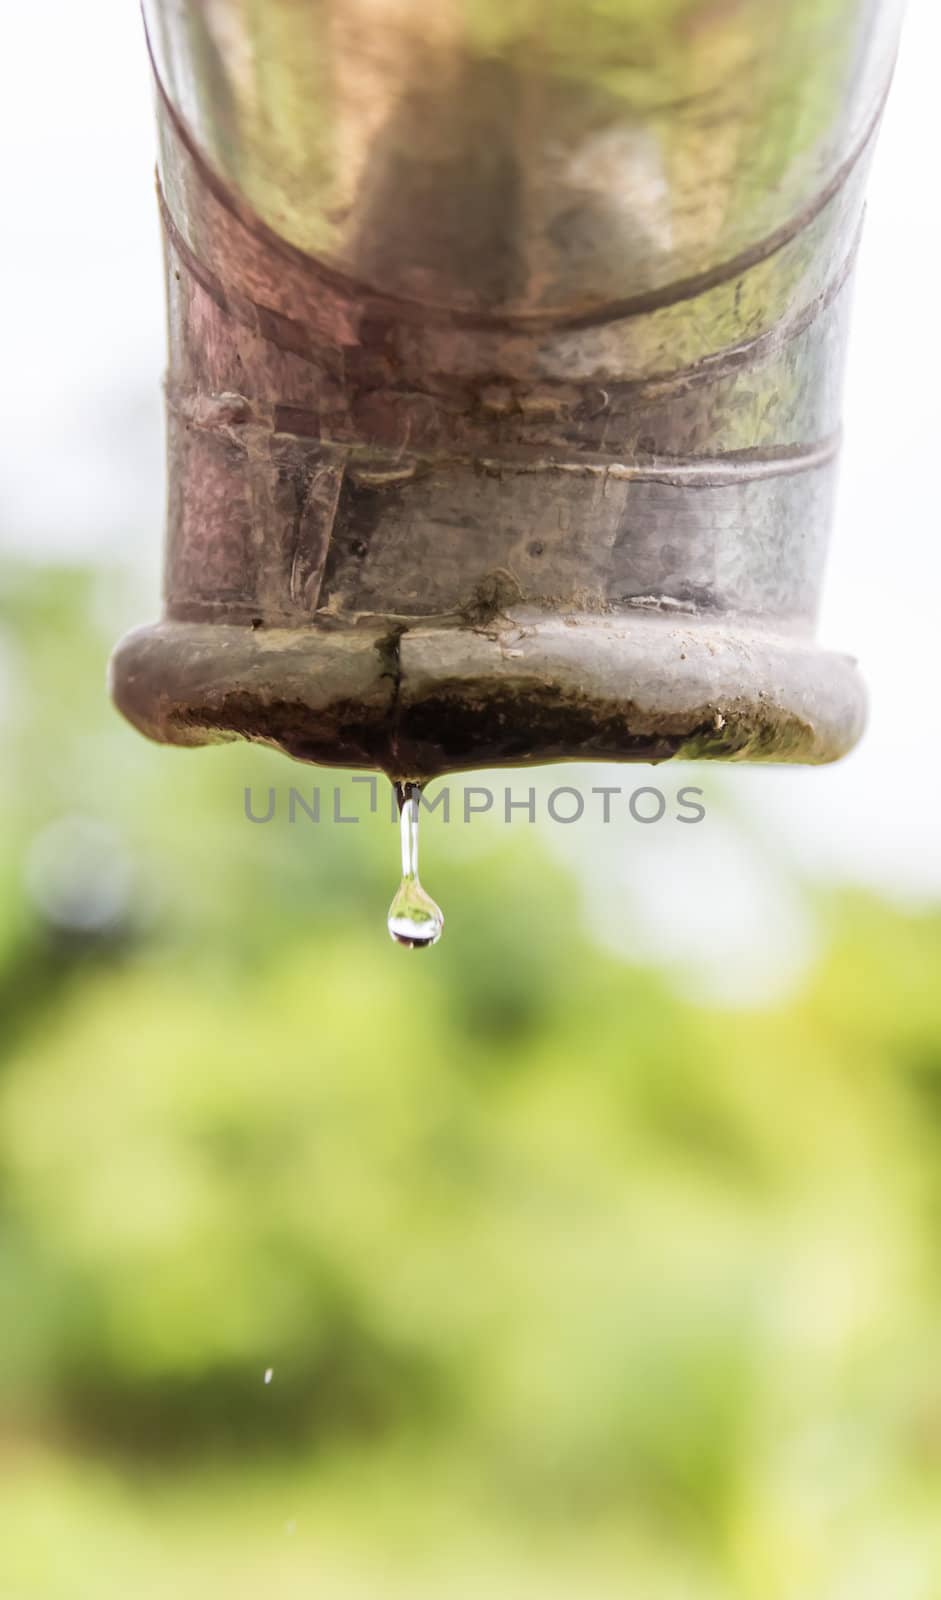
(503, 400)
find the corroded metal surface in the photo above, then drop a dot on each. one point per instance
(504, 382)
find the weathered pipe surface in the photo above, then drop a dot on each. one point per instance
(506, 346)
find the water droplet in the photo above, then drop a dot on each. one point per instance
(269, 1374)
(414, 920)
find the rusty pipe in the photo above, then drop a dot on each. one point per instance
(503, 400)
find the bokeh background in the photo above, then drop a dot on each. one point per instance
(595, 1253)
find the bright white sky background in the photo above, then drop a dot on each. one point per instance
(82, 464)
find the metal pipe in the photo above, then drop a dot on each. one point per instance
(506, 346)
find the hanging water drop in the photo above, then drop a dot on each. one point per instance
(414, 919)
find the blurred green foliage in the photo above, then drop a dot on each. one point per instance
(568, 1285)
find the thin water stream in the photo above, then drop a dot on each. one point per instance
(414, 919)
